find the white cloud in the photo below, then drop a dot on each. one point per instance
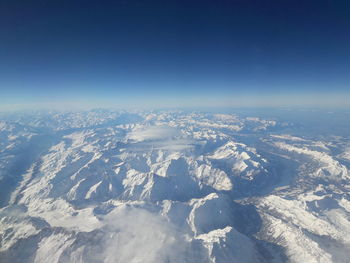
(135, 235)
(153, 133)
(160, 138)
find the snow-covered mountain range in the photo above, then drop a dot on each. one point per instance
(171, 186)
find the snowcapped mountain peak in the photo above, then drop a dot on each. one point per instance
(170, 186)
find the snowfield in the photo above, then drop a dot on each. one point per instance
(170, 186)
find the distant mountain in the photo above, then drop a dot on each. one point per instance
(171, 186)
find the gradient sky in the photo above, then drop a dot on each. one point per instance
(184, 53)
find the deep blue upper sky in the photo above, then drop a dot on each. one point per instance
(170, 51)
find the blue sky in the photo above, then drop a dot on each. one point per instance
(176, 53)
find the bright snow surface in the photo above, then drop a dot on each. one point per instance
(171, 186)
